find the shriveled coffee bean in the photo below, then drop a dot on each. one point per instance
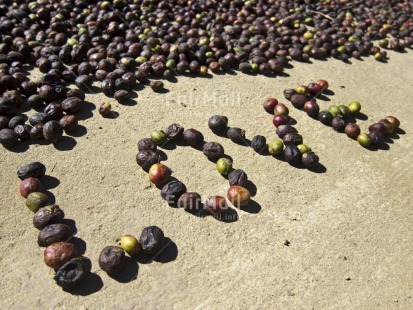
(213, 150)
(23, 132)
(237, 135)
(47, 216)
(68, 122)
(174, 132)
(259, 143)
(47, 93)
(172, 191)
(147, 144)
(37, 118)
(151, 240)
(108, 87)
(71, 273)
(156, 86)
(284, 129)
(52, 131)
(53, 111)
(292, 154)
(36, 133)
(238, 177)
(310, 159)
(112, 259)
(8, 137)
(292, 138)
(72, 105)
(34, 169)
(147, 158)
(17, 120)
(53, 233)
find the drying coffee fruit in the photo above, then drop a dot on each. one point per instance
(57, 254)
(111, 259)
(33, 169)
(71, 273)
(36, 200)
(190, 201)
(239, 196)
(30, 185)
(238, 177)
(130, 244)
(216, 205)
(54, 233)
(47, 216)
(151, 240)
(172, 191)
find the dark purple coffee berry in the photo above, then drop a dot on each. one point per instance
(288, 93)
(71, 273)
(238, 177)
(172, 191)
(151, 240)
(213, 150)
(298, 101)
(53, 233)
(310, 159)
(190, 201)
(376, 137)
(52, 131)
(237, 135)
(47, 216)
(259, 143)
(282, 130)
(338, 123)
(174, 132)
(147, 144)
(193, 137)
(311, 108)
(112, 259)
(292, 138)
(325, 117)
(218, 123)
(292, 154)
(147, 158)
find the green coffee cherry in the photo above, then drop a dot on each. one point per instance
(334, 110)
(224, 166)
(303, 148)
(130, 244)
(364, 139)
(36, 200)
(159, 137)
(275, 147)
(354, 107)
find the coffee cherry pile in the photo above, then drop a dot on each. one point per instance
(295, 151)
(339, 117)
(377, 131)
(174, 191)
(112, 258)
(59, 254)
(52, 119)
